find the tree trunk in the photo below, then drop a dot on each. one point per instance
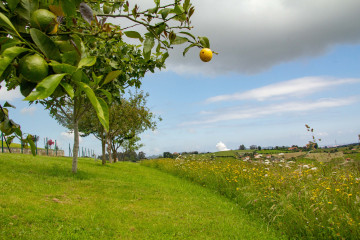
(114, 152)
(76, 139)
(109, 148)
(103, 143)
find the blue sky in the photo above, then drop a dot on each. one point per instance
(281, 65)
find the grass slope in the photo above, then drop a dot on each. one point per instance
(41, 199)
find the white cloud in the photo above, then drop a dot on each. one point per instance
(295, 87)
(9, 95)
(238, 113)
(220, 146)
(28, 111)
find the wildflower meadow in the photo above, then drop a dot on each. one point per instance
(302, 198)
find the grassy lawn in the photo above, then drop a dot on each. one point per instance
(41, 199)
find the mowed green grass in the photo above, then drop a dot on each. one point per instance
(41, 199)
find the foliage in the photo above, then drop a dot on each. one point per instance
(85, 53)
(304, 199)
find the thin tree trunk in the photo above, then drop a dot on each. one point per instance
(109, 148)
(103, 143)
(76, 138)
(114, 152)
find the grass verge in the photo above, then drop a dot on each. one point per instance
(41, 199)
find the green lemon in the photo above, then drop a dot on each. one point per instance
(33, 68)
(44, 20)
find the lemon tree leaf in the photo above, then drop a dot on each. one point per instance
(87, 62)
(179, 40)
(12, 4)
(46, 45)
(86, 12)
(187, 49)
(68, 89)
(165, 12)
(204, 41)
(178, 10)
(5, 22)
(62, 67)
(134, 34)
(148, 45)
(107, 94)
(32, 144)
(46, 87)
(8, 56)
(7, 104)
(68, 7)
(101, 108)
(8, 42)
(111, 76)
(189, 34)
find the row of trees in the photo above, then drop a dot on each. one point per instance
(68, 57)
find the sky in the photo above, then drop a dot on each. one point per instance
(281, 64)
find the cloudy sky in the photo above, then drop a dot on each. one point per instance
(281, 64)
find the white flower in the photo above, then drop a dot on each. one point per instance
(314, 168)
(306, 166)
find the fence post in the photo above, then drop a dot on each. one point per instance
(47, 147)
(21, 143)
(55, 148)
(2, 143)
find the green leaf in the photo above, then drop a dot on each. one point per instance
(111, 76)
(68, 89)
(165, 12)
(69, 7)
(133, 34)
(32, 144)
(165, 56)
(105, 110)
(46, 87)
(107, 94)
(179, 10)
(2, 6)
(187, 49)
(179, 40)
(8, 56)
(6, 42)
(12, 4)
(148, 45)
(96, 79)
(46, 45)
(87, 62)
(204, 41)
(189, 34)
(186, 5)
(27, 7)
(102, 110)
(62, 67)
(7, 104)
(5, 22)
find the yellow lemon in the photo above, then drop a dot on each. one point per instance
(206, 54)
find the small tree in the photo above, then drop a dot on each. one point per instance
(65, 57)
(242, 147)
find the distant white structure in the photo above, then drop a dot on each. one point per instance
(221, 146)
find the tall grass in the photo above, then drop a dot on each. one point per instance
(304, 199)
